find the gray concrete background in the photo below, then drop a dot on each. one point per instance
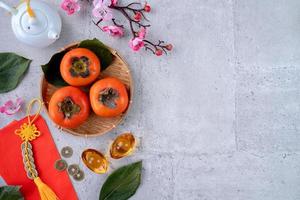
(217, 119)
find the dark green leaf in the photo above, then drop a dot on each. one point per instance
(100, 50)
(51, 70)
(12, 70)
(122, 183)
(10, 193)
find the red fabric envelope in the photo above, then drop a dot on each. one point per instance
(45, 154)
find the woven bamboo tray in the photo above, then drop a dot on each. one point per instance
(95, 125)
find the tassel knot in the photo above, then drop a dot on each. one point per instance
(46, 193)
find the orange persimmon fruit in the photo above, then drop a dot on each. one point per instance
(69, 107)
(80, 67)
(108, 97)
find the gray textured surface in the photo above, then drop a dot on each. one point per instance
(218, 118)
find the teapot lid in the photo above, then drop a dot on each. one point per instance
(42, 29)
(36, 25)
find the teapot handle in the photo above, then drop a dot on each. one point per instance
(8, 8)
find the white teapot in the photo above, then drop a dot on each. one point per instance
(37, 24)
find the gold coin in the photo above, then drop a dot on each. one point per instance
(28, 145)
(27, 152)
(66, 152)
(31, 174)
(73, 169)
(79, 176)
(61, 165)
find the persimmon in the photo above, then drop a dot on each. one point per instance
(80, 67)
(69, 107)
(108, 97)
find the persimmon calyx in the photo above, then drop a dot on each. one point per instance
(80, 67)
(108, 96)
(68, 107)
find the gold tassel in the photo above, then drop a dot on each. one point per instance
(29, 132)
(46, 193)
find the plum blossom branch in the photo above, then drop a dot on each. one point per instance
(116, 24)
(134, 13)
(136, 19)
(160, 47)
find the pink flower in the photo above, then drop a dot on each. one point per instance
(169, 47)
(158, 52)
(114, 2)
(147, 8)
(138, 16)
(142, 33)
(70, 6)
(138, 42)
(11, 107)
(114, 31)
(101, 10)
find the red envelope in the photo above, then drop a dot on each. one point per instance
(45, 154)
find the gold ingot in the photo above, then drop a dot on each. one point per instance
(122, 146)
(95, 161)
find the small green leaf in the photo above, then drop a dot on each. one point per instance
(122, 183)
(100, 50)
(10, 193)
(12, 70)
(52, 71)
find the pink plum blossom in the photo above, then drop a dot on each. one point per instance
(114, 2)
(10, 107)
(142, 33)
(70, 6)
(114, 31)
(138, 42)
(158, 52)
(138, 16)
(101, 10)
(147, 8)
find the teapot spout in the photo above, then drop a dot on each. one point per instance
(52, 34)
(8, 8)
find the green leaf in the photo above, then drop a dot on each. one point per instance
(52, 71)
(100, 50)
(122, 183)
(10, 193)
(12, 70)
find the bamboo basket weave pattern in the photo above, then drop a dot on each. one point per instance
(96, 125)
